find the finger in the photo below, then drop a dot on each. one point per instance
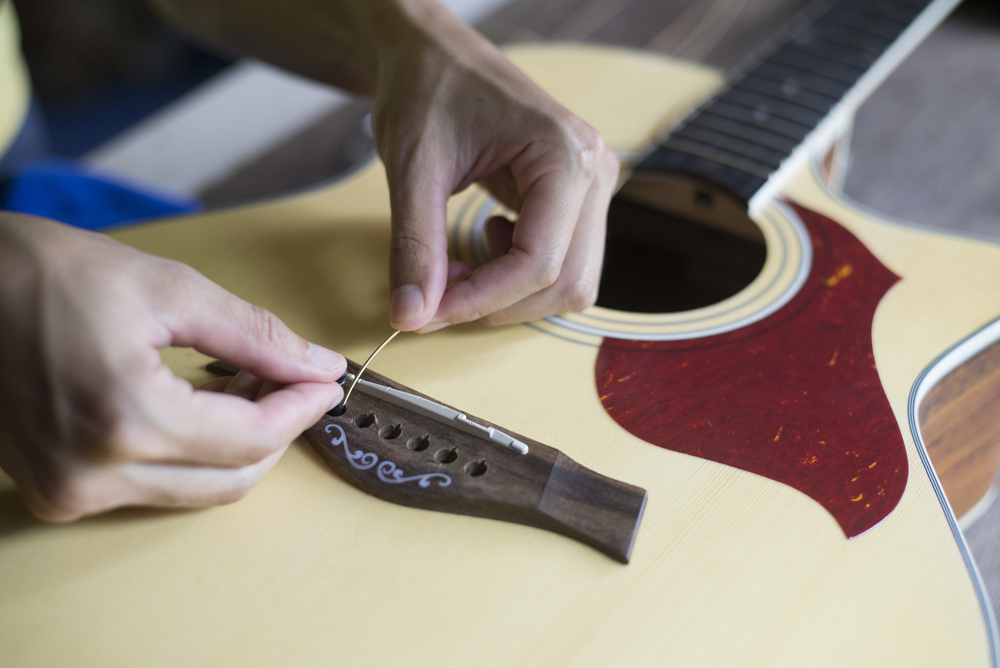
(167, 485)
(220, 429)
(458, 271)
(540, 241)
(217, 323)
(245, 385)
(99, 489)
(216, 384)
(580, 277)
(418, 255)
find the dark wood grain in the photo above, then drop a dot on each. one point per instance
(960, 425)
(401, 456)
(825, 47)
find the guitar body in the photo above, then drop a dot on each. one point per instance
(730, 567)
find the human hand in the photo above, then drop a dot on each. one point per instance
(91, 419)
(451, 110)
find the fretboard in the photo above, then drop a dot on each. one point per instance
(744, 136)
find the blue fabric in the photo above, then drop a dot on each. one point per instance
(72, 194)
(31, 142)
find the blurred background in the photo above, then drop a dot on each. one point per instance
(99, 66)
(121, 91)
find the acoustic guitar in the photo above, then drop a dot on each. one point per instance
(793, 515)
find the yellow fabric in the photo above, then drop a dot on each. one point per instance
(15, 91)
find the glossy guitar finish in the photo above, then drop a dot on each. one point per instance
(730, 568)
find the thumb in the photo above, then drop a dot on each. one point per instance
(418, 254)
(216, 322)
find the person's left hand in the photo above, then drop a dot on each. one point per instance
(451, 110)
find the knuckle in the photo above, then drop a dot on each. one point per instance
(588, 146)
(589, 139)
(406, 241)
(548, 270)
(173, 283)
(409, 248)
(66, 495)
(267, 327)
(580, 294)
(543, 267)
(177, 273)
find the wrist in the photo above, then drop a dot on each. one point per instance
(399, 31)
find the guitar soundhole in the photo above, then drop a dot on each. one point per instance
(446, 456)
(675, 247)
(476, 468)
(419, 443)
(366, 420)
(390, 431)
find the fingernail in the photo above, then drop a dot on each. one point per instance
(407, 303)
(433, 327)
(324, 358)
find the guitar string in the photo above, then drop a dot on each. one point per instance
(370, 358)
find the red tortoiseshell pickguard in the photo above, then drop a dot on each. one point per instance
(795, 397)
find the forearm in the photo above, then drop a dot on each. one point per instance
(340, 42)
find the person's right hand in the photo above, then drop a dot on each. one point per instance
(91, 419)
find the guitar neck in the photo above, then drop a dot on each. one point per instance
(751, 137)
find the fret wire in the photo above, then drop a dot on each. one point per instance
(774, 107)
(829, 55)
(806, 80)
(864, 8)
(738, 181)
(824, 27)
(849, 19)
(759, 79)
(793, 94)
(763, 104)
(720, 155)
(897, 11)
(823, 67)
(870, 49)
(750, 133)
(735, 145)
(742, 136)
(744, 114)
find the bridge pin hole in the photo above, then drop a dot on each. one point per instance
(446, 456)
(365, 420)
(419, 443)
(476, 468)
(391, 431)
